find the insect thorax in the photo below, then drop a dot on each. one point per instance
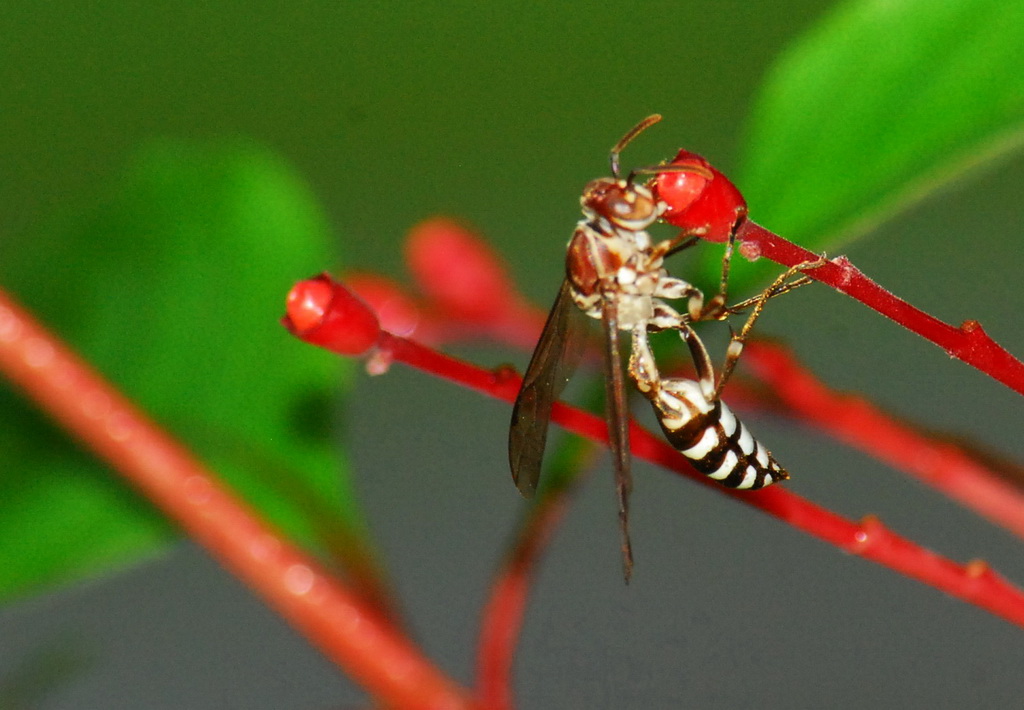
(604, 262)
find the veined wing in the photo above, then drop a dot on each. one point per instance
(554, 359)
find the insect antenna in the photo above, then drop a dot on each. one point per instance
(628, 138)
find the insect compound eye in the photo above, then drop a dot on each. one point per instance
(627, 206)
(632, 209)
(621, 206)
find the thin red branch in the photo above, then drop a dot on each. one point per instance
(499, 634)
(333, 617)
(973, 583)
(857, 422)
(503, 615)
(969, 342)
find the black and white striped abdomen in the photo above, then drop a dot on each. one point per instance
(711, 436)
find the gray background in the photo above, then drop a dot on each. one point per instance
(500, 114)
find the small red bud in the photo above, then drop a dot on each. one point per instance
(323, 312)
(707, 207)
(458, 270)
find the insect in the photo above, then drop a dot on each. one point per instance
(615, 273)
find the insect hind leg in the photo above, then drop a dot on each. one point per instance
(779, 286)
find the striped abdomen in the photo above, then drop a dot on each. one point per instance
(711, 436)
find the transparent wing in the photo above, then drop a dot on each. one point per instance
(554, 359)
(617, 413)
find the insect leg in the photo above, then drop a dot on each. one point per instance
(643, 368)
(697, 308)
(778, 287)
(701, 362)
(715, 309)
(778, 291)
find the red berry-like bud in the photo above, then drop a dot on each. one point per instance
(323, 312)
(458, 270)
(707, 207)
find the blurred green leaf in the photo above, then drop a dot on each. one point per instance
(881, 104)
(173, 288)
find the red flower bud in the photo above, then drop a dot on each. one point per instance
(458, 271)
(323, 312)
(710, 208)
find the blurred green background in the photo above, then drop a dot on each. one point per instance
(499, 113)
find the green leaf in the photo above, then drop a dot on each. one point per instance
(878, 106)
(173, 288)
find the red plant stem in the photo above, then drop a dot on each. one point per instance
(329, 614)
(969, 342)
(974, 582)
(503, 618)
(857, 422)
(503, 615)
